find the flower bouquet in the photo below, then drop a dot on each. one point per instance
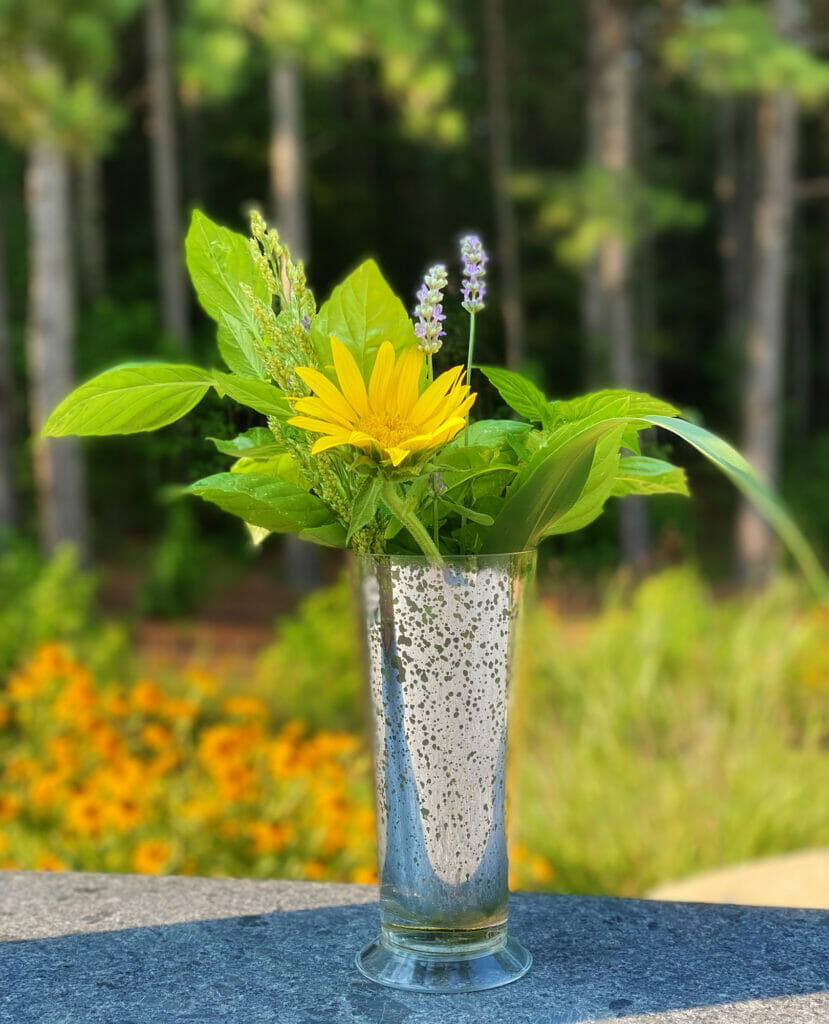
(364, 445)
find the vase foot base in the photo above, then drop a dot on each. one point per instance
(445, 971)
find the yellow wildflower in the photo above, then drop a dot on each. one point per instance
(151, 856)
(391, 419)
(49, 862)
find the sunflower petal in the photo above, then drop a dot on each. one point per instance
(351, 380)
(316, 426)
(407, 370)
(434, 394)
(381, 376)
(327, 391)
(315, 407)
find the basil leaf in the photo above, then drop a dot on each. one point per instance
(219, 260)
(129, 399)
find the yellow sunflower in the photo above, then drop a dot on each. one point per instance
(391, 417)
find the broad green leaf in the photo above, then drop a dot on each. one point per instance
(597, 489)
(257, 443)
(240, 348)
(638, 474)
(362, 313)
(255, 394)
(219, 260)
(365, 504)
(264, 501)
(518, 392)
(129, 399)
(741, 474)
(548, 487)
(332, 535)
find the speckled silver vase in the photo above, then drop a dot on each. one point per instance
(441, 643)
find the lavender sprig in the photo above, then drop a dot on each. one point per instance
(473, 286)
(429, 310)
(473, 290)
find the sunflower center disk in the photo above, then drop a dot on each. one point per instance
(388, 431)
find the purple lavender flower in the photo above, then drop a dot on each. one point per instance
(473, 285)
(429, 310)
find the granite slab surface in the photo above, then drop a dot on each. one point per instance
(109, 949)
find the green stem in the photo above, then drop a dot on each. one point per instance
(411, 522)
(469, 369)
(430, 370)
(435, 510)
(469, 355)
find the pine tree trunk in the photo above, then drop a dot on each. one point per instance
(500, 164)
(58, 465)
(287, 157)
(290, 210)
(763, 380)
(8, 497)
(734, 189)
(91, 234)
(164, 158)
(607, 299)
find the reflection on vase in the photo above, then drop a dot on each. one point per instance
(441, 643)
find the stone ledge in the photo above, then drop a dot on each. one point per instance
(110, 949)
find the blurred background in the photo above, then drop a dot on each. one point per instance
(652, 183)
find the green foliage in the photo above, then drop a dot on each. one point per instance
(582, 209)
(177, 573)
(736, 48)
(57, 58)
(699, 721)
(42, 601)
(313, 671)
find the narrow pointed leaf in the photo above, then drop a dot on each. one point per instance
(746, 480)
(365, 504)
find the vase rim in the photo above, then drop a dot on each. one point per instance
(407, 559)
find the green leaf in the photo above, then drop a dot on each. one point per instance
(518, 392)
(474, 517)
(255, 394)
(597, 489)
(640, 475)
(219, 260)
(498, 434)
(362, 313)
(264, 501)
(365, 504)
(240, 348)
(612, 402)
(546, 488)
(257, 443)
(332, 535)
(741, 474)
(283, 466)
(129, 399)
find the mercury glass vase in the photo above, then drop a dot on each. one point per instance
(441, 645)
